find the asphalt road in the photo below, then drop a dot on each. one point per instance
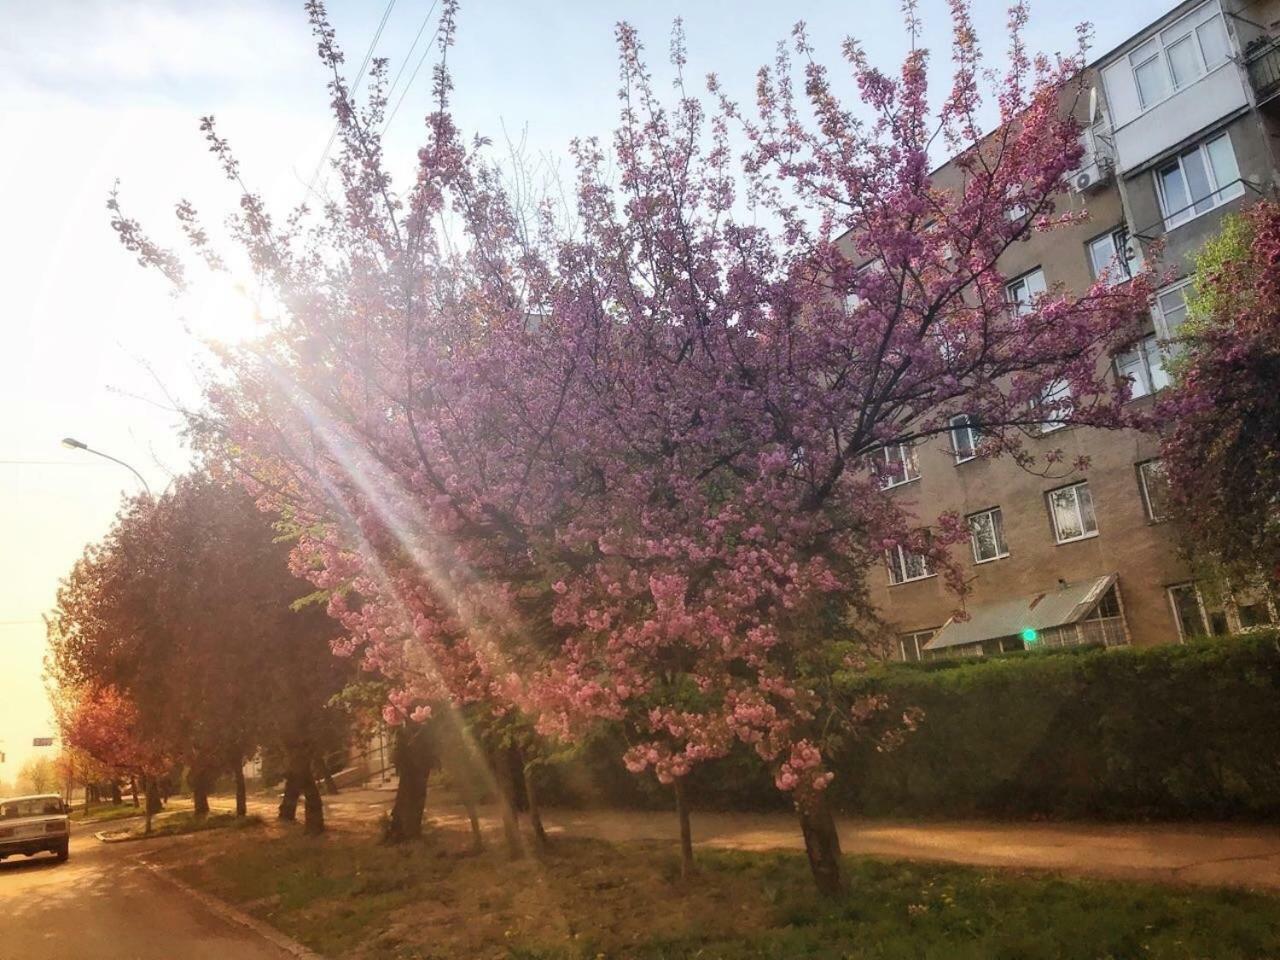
(101, 904)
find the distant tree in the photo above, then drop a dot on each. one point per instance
(104, 726)
(183, 617)
(38, 775)
(1221, 455)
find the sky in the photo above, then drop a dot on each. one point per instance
(95, 91)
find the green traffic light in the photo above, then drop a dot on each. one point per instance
(1029, 635)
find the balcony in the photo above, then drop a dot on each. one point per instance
(1262, 61)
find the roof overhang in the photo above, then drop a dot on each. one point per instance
(1006, 618)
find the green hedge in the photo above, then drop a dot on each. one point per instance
(1178, 731)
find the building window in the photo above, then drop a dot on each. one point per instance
(900, 465)
(1195, 619)
(1023, 291)
(1113, 257)
(1072, 511)
(964, 437)
(911, 645)
(1154, 484)
(1255, 614)
(1054, 406)
(1171, 305)
(905, 566)
(1143, 367)
(986, 532)
(1179, 55)
(1197, 180)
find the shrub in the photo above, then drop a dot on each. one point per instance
(1177, 731)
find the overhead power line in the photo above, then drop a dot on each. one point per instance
(368, 57)
(408, 86)
(412, 47)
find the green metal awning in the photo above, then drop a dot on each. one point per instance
(1040, 611)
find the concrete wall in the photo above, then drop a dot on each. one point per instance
(1144, 554)
(1141, 135)
(1257, 168)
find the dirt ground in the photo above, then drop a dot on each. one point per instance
(1237, 855)
(461, 904)
(345, 895)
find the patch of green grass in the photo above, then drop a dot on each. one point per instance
(899, 910)
(328, 893)
(104, 814)
(345, 896)
(172, 824)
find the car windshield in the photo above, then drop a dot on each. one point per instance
(39, 806)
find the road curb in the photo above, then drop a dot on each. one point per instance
(233, 914)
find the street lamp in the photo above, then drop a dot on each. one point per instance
(71, 443)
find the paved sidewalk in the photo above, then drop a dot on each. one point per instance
(1204, 854)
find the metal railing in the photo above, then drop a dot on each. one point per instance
(1263, 65)
(1101, 631)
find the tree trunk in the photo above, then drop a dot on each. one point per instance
(201, 781)
(242, 804)
(154, 805)
(531, 799)
(133, 788)
(686, 829)
(473, 814)
(411, 754)
(312, 808)
(116, 799)
(289, 800)
(822, 844)
(507, 802)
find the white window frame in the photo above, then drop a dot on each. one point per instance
(1020, 293)
(1163, 40)
(1142, 365)
(914, 640)
(1056, 392)
(896, 560)
(995, 517)
(906, 458)
(1183, 636)
(1123, 261)
(1145, 488)
(1162, 320)
(1053, 514)
(1220, 193)
(962, 425)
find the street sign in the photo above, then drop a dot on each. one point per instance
(42, 741)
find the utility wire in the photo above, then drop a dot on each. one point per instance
(412, 47)
(368, 56)
(409, 86)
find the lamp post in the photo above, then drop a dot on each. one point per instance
(71, 443)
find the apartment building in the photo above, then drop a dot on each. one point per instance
(1179, 132)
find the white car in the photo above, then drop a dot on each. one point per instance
(30, 825)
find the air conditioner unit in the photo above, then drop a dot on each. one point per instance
(1091, 176)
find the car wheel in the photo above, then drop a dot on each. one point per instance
(63, 852)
